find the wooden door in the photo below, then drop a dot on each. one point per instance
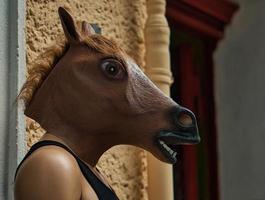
(195, 174)
(196, 27)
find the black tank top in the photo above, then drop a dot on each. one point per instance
(103, 192)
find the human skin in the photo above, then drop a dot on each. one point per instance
(90, 109)
(53, 173)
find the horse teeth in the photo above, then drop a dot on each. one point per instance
(167, 148)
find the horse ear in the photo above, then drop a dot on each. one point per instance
(68, 26)
(87, 29)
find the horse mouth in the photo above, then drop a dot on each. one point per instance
(167, 142)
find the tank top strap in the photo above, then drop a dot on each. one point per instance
(40, 144)
(102, 191)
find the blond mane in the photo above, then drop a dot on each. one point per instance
(45, 62)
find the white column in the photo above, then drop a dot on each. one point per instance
(160, 176)
(15, 141)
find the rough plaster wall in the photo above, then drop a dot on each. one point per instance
(122, 20)
(240, 93)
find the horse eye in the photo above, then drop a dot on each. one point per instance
(112, 69)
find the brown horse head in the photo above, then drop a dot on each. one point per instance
(95, 88)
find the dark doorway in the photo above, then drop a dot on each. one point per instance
(196, 27)
(195, 175)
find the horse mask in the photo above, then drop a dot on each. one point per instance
(96, 89)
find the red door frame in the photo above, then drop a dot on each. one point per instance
(189, 89)
(207, 20)
(207, 17)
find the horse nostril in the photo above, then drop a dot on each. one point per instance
(184, 119)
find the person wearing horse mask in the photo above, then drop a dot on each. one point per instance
(89, 97)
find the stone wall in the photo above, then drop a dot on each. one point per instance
(122, 20)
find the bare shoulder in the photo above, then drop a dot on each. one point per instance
(49, 173)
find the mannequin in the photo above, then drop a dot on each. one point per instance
(91, 97)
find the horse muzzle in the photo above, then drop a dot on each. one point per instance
(185, 131)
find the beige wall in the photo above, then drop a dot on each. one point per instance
(122, 20)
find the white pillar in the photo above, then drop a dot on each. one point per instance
(160, 175)
(16, 132)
